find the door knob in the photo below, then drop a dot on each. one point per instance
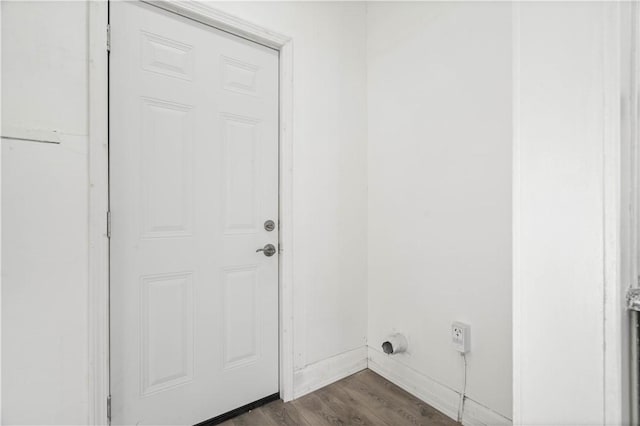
(268, 250)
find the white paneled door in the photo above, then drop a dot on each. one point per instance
(193, 179)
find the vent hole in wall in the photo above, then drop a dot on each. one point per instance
(387, 347)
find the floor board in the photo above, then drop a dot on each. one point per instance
(364, 398)
(284, 414)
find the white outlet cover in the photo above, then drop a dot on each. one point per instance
(461, 337)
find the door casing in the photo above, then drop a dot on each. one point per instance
(98, 309)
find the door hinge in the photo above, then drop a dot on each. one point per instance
(108, 38)
(109, 224)
(109, 409)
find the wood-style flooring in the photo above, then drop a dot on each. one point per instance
(364, 398)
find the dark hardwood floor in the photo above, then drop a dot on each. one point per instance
(364, 398)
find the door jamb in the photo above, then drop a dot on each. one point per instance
(98, 157)
(98, 312)
(613, 294)
(612, 274)
(630, 156)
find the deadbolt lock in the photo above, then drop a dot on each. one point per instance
(269, 225)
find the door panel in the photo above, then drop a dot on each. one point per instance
(193, 178)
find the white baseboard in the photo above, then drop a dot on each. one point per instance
(441, 397)
(327, 371)
(433, 393)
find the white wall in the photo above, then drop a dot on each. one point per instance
(560, 283)
(439, 78)
(438, 211)
(44, 81)
(44, 214)
(329, 169)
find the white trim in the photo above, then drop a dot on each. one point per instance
(98, 205)
(98, 173)
(516, 335)
(629, 63)
(612, 291)
(202, 12)
(1, 270)
(330, 370)
(439, 396)
(31, 135)
(286, 222)
(634, 194)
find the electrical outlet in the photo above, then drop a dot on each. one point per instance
(461, 337)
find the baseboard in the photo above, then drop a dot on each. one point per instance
(327, 371)
(433, 393)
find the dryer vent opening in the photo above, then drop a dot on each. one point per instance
(394, 344)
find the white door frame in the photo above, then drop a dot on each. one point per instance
(99, 188)
(612, 186)
(630, 193)
(614, 280)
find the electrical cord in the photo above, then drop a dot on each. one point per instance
(464, 389)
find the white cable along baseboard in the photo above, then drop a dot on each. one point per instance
(440, 397)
